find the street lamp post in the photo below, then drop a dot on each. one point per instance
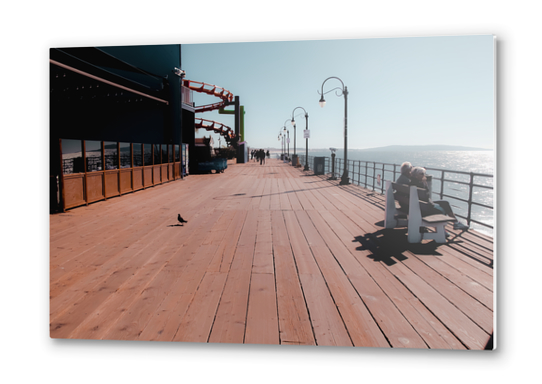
(285, 130)
(343, 91)
(285, 141)
(306, 139)
(288, 141)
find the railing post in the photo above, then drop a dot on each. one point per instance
(441, 185)
(366, 174)
(374, 174)
(471, 182)
(382, 180)
(359, 172)
(333, 166)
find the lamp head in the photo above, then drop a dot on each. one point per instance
(322, 101)
(293, 122)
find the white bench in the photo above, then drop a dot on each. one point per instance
(395, 217)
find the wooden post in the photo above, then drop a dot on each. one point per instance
(143, 165)
(118, 168)
(63, 203)
(84, 143)
(104, 189)
(132, 166)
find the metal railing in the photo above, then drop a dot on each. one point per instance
(471, 193)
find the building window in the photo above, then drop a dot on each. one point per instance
(93, 151)
(157, 154)
(148, 154)
(111, 155)
(177, 153)
(138, 155)
(72, 156)
(125, 155)
(164, 153)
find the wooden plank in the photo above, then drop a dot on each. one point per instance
(283, 196)
(274, 204)
(262, 322)
(301, 195)
(326, 321)
(263, 250)
(294, 323)
(229, 324)
(292, 197)
(196, 325)
(265, 201)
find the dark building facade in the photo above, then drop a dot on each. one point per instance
(116, 121)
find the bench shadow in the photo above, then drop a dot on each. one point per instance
(389, 245)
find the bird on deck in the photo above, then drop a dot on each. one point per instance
(181, 220)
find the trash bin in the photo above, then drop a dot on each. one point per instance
(295, 160)
(319, 165)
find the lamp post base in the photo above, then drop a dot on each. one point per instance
(332, 178)
(306, 167)
(344, 179)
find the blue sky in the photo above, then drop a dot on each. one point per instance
(410, 90)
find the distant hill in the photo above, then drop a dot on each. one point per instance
(419, 148)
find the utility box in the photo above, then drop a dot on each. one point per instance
(242, 152)
(319, 165)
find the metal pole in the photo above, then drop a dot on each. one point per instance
(333, 167)
(344, 178)
(294, 139)
(306, 143)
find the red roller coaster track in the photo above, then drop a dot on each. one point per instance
(213, 90)
(217, 127)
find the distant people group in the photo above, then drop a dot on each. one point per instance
(259, 154)
(416, 176)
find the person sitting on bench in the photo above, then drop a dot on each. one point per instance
(419, 179)
(404, 178)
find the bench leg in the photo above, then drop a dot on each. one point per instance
(414, 235)
(439, 235)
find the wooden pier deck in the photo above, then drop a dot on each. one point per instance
(270, 255)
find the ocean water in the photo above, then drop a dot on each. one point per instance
(477, 162)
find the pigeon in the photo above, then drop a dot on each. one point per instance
(181, 220)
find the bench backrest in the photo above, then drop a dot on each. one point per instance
(405, 190)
